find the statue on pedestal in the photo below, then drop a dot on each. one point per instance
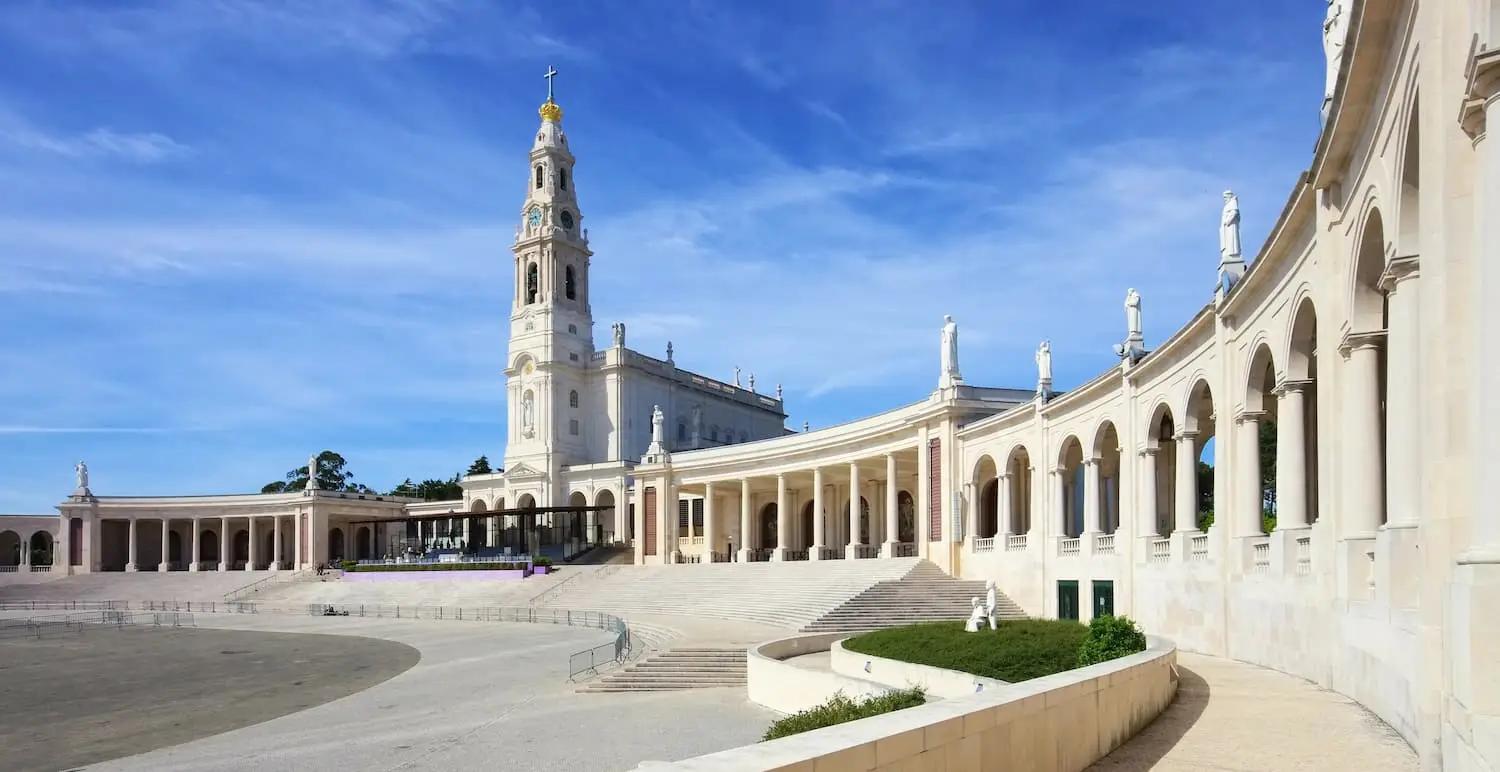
(989, 602)
(1335, 33)
(657, 419)
(949, 338)
(618, 328)
(736, 377)
(976, 617)
(1229, 228)
(312, 473)
(1134, 346)
(1044, 369)
(528, 415)
(81, 471)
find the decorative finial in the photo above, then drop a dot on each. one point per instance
(550, 111)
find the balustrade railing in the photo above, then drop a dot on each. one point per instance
(829, 553)
(984, 545)
(863, 551)
(796, 555)
(758, 556)
(41, 569)
(1260, 557)
(906, 549)
(1161, 550)
(696, 541)
(1104, 544)
(1198, 547)
(1015, 542)
(1304, 555)
(1068, 547)
(9, 569)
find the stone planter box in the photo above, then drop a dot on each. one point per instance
(477, 575)
(539, 570)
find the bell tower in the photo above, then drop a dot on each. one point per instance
(551, 324)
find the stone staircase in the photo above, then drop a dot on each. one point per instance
(925, 594)
(675, 669)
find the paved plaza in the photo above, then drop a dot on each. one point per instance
(483, 695)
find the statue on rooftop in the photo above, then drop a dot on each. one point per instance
(312, 473)
(81, 471)
(657, 419)
(619, 330)
(1335, 34)
(1229, 228)
(949, 337)
(1044, 369)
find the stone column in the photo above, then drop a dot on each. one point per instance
(197, 529)
(892, 524)
(62, 549)
(1484, 542)
(1403, 394)
(166, 554)
(1246, 512)
(924, 497)
(129, 564)
(1060, 514)
(820, 521)
(250, 544)
(298, 559)
(1003, 525)
(1291, 457)
(1364, 472)
(852, 550)
(1091, 497)
(783, 521)
(1150, 529)
(710, 530)
(746, 527)
(225, 559)
(972, 495)
(276, 543)
(1187, 482)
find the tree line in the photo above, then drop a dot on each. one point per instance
(332, 474)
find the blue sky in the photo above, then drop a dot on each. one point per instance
(233, 233)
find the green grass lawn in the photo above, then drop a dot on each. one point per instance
(1019, 650)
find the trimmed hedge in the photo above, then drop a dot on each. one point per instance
(438, 567)
(1020, 650)
(1110, 638)
(839, 709)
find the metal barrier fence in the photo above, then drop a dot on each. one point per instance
(50, 624)
(62, 605)
(590, 660)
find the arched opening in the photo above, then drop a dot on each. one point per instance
(562, 179)
(41, 549)
(987, 490)
(239, 548)
(1365, 368)
(208, 547)
(1198, 421)
(1018, 488)
(531, 283)
(569, 288)
(541, 174)
(1161, 457)
(335, 544)
(1070, 488)
(864, 520)
(806, 525)
(75, 541)
(1107, 456)
(1260, 465)
(1409, 240)
(768, 526)
(573, 399)
(10, 548)
(906, 517)
(605, 518)
(362, 543)
(1301, 393)
(580, 525)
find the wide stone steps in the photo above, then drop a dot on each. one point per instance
(676, 669)
(925, 594)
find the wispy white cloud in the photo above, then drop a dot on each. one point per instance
(144, 147)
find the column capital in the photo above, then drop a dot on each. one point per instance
(1398, 271)
(1150, 450)
(1187, 435)
(1357, 341)
(1483, 74)
(1291, 386)
(1246, 416)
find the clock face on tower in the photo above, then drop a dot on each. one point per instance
(567, 219)
(534, 217)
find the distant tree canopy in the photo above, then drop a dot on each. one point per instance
(332, 476)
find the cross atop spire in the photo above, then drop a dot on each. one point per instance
(551, 73)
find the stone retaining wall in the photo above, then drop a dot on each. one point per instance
(936, 681)
(784, 687)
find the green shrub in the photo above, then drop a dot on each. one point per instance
(348, 565)
(542, 561)
(839, 709)
(1019, 650)
(1110, 638)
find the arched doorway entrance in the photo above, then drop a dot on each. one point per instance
(335, 544)
(240, 549)
(10, 548)
(41, 549)
(208, 548)
(768, 526)
(1018, 488)
(906, 517)
(987, 507)
(606, 526)
(1070, 488)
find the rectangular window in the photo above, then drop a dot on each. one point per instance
(682, 517)
(1067, 599)
(573, 427)
(935, 488)
(698, 514)
(650, 521)
(1104, 598)
(573, 357)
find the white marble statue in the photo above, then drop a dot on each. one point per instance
(736, 377)
(1335, 33)
(669, 351)
(989, 602)
(81, 471)
(1044, 368)
(619, 330)
(778, 392)
(312, 473)
(976, 617)
(949, 337)
(657, 419)
(528, 415)
(752, 383)
(1133, 315)
(1229, 228)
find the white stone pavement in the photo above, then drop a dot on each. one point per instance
(485, 695)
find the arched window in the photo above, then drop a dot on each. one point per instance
(572, 399)
(562, 178)
(568, 285)
(531, 283)
(539, 175)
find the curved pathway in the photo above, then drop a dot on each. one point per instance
(1232, 716)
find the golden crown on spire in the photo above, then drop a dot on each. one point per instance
(550, 111)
